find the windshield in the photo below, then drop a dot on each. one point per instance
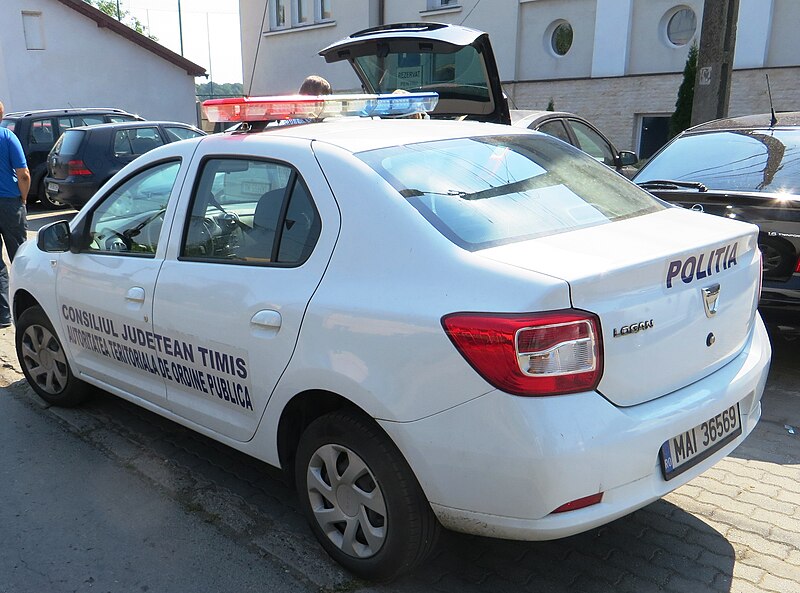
(486, 191)
(456, 75)
(740, 160)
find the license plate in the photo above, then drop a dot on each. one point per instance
(53, 187)
(253, 188)
(689, 448)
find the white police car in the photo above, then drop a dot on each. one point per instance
(427, 323)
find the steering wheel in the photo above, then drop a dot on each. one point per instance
(113, 241)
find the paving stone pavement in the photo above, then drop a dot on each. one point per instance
(735, 529)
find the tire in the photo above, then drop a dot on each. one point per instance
(43, 360)
(374, 519)
(45, 201)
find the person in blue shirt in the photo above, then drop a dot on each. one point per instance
(15, 181)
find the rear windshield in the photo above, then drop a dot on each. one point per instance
(741, 160)
(486, 191)
(69, 142)
(7, 123)
(457, 75)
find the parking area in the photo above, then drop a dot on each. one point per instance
(736, 528)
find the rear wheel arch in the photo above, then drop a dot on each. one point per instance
(298, 414)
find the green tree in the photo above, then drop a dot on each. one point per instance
(551, 105)
(125, 17)
(215, 90)
(682, 116)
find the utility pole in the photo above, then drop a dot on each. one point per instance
(180, 25)
(712, 87)
(119, 17)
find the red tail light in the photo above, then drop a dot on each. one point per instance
(78, 168)
(797, 267)
(532, 354)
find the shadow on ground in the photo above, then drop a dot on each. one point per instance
(659, 548)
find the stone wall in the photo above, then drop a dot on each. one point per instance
(615, 104)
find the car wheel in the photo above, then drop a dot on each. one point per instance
(44, 362)
(361, 498)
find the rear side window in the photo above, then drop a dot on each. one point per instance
(486, 191)
(175, 133)
(69, 142)
(136, 141)
(41, 132)
(7, 123)
(120, 118)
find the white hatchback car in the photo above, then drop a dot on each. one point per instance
(427, 323)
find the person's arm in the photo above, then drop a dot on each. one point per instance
(24, 183)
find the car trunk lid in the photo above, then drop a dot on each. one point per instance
(63, 152)
(456, 62)
(675, 292)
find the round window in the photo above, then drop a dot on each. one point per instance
(561, 39)
(681, 26)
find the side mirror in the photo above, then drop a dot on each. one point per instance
(54, 237)
(627, 157)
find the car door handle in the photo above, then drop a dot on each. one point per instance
(135, 294)
(267, 318)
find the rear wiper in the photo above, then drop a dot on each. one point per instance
(671, 184)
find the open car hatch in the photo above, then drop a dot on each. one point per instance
(455, 62)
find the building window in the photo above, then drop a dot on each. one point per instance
(278, 14)
(437, 4)
(681, 25)
(32, 26)
(559, 37)
(324, 12)
(300, 12)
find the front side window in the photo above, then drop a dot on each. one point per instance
(592, 143)
(486, 191)
(737, 160)
(129, 219)
(251, 212)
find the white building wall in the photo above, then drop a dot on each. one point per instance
(83, 65)
(784, 38)
(621, 65)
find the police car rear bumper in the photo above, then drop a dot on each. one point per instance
(499, 465)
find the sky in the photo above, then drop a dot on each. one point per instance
(210, 32)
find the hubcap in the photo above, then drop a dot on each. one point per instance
(347, 502)
(44, 359)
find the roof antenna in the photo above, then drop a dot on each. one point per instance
(774, 119)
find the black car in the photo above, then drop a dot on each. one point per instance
(84, 158)
(575, 130)
(38, 131)
(745, 168)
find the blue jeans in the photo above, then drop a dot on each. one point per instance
(13, 231)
